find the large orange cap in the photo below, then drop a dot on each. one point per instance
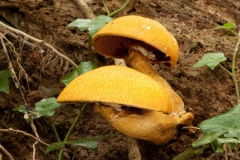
(118, 85)
(116, 37)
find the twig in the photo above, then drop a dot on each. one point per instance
(14, 77)
(214, 151)
(225, 156)
(236, 151)
(34, 150)
(191, 127)
(39, 41)
(17, 84)
(6, 152)
(24, 133)
(25, 43)
(84, 7)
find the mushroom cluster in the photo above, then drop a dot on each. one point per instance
(136, 101)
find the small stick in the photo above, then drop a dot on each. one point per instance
(214, 151)
(25, 43)
(236, 151)
(6, 152)
(34, 150)
(17, 84)
(84, 7)
(24, 133)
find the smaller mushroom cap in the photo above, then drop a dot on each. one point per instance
(118, 85)
(116, 37)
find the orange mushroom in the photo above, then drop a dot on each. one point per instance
(140, 40)
(118, 37)
(132, 102)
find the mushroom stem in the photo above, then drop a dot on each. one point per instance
(133, 149)
(139, 62)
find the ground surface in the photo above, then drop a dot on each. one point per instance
(206, 93)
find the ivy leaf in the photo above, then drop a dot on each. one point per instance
(90, 143)
(97, 23)
(226, 124)
(211, 60)
(227, 25)
(4, 84)
(238, 135)
(207, 138)
(227, 140)
(92, 25)
(85, 67)
(20, 109)
(232, 133)
(46, 107)
(82, 68)
(219, 149)
(67, 79)
(81, 24)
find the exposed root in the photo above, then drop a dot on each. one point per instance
(6, 152)
(35, 40)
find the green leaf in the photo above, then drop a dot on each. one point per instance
(46, 107)
(238, 135)
(211, 60)
(227, 140)
(227, 25)
(54, 146)
(232, 133)
(226, 124)
(206, 139)
(20, 109)
(90, 143)
(67, 79)
(97, 23)
(187, 153)
(219, 149)
(82, 68)
(85, 67)
(82, 24)
(4, 84)
(92, 25)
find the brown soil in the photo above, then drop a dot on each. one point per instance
(206, 93)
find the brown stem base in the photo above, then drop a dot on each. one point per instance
(133, 149)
